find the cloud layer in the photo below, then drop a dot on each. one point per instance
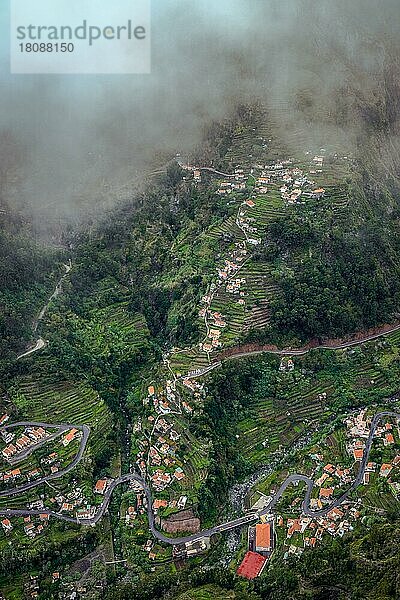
(85, 140)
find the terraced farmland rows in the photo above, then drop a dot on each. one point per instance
(393, 338)
(260, 290)
(368, 375)
(188, 360)
(280, 421)
(119, 317)
(228, 228)
(65, 402)
(227, 304)
(242, 149)
(267, 208)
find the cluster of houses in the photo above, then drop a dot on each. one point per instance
(305, 531)
(30, 437)
(32, 527)
(160, 503)
(74, 504)
(236, 183)
(164, 400)
(334, 479)
(16, 475)
(358, 427)
(357, 431)
(139, 508)
(10, 477)
(157, 455)
(147, 547)
(50, 460)
(227, 275)
(295, 184)
(162, 479)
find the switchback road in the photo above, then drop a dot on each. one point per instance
(239, 522)
(40, 342)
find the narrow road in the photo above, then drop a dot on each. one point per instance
(38, 346)
(239, 522)
(183, 165)
(302, 351)
(41, 343)
(78, 457)
(211, 170)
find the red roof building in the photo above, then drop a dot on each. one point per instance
(263, 537)
(252, 565)
(358, 453)
(325, 492)
(100, 486)
(389, 438)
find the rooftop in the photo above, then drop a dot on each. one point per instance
(252, 565)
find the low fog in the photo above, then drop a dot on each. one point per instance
(72, 146)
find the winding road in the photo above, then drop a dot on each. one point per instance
(302, 351)
(40, 342)
(239, 522)
(291, 351)
(292, 479)
(61, 428)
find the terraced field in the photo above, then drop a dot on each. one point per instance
(244, 148)
(370, 373)
(279, 421)
(256, 149)
(393, 338)
(382, 500)
(234, 313)
(227, 228)
(260, 290)
(267, 208)
(195, 462)
(119, 315)
(64, 402)
(116, 321)
(188, 360)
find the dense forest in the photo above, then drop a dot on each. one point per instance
(28, 271)
(335, 278)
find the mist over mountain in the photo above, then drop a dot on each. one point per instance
(77, 144)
